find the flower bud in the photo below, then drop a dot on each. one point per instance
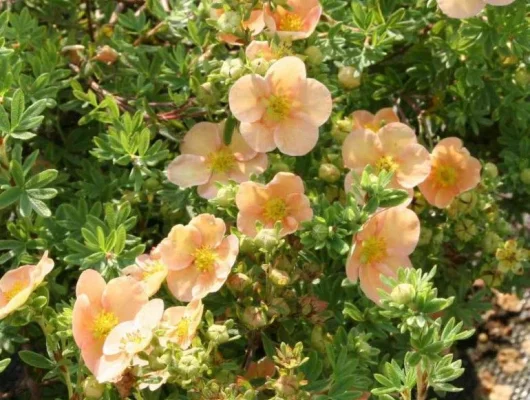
(206, 94)
(254, 317)
(349, 77)
(218, 334)
(491, 170)
(403, 293)
(229, 22)
(238, 282)
(491, 242)
(522, 76)
(107, 55)
(225, 197)
(247, 245)
(279, 277)
(286, 385)
(278, 307)
(92, 389)
(314, 55)
(525, 176)
(189, 365)
(465, 229)
(318, 340)
(267, 239)
(232, 68)
(259, 66)
(329, 173)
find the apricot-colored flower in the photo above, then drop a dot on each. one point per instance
(180, 324)
(394, 148)
(363, 119)
(381, 247)
(129, 338)
(468, 8)
(297, 22)
(260, 49)
(149, 271)
(98, 309)
(284, 109)
(199, 257)
(17, 285)
(255, 24)
(453, 172)
(205, 160)
(281, 200)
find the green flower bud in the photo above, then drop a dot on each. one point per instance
(318, 340)
(259, 66)
(279, 277)
(403, 293)
(286, 385)
(254, 317)
(225, 197)
(218, 334)
(232, 68)
(314, 55)
(151, 184)
(465, 229)
(491, 242)
(189, 365)
(206, 94)
(267, 239)
(229, 22)
(525, 176)
(522, 76)
(92, 389)
(349, 77)
(238, 282)
(491, 170)
(329, 173)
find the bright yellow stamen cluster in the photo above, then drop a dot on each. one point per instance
(204, 259)
(445, 175)
(290, 22)
(387, 164)
(278, 108)
(15, 289)
(104, 322)
(222, 160)
(275, 209)
(373, 250)
(152, 269)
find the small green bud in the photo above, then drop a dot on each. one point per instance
(403, 293)
(465, 229)
(254, 317)
(225, 196)
(259, 66)
(522, 76)
(218, 334)
(92, 389)
(525, 176)
(491, 242)
(189, 365)
(232, 68)
(349, 77)
(238, 282)
(279, 277)
(491, 170)
(314, 55)
(329, 173)
(206, 94)
(267, 239)
(151, 184)
(229, 22)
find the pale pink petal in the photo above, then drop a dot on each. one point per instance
(499, 2)
(289, 225)
(296, 136)
(176, 251)
(91, 284)
(255, 166)
(226, 256)
(299, 207)
(370, 282)
(246, 223)
(390, 265)
(83, 316)
(385, 116)
(246, 98)
(150, 314)
(251, 197)
(174, 315)
(316, 102)
(471, 175)
(239, 147)
(460, 8)
(303, 7)
(401, 230)
(188, 170)
(43, 268)
(258, 136)
(113, 342)
(259, 49)
(361, 148)
(110, 368)
(395, 137)
(256, 22)
(202, 139)
(206, 283)
(181, 283)
(311, 21)
(285, 183)
(210, 189)
(212, 229)
(414, 166)
(124, 296)
(444, 197)
(362, 119)
(353, 264)
(286, 76)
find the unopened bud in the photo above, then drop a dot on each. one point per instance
(218, 334)
(403, 293)
(491, 170)
(267, 239)
(314, 55)
(259, 66)
(522, 76)
(329, 173)
(349, 77)
(491, 242)
(206, 94)
(465, 229)
(107, 55)
(286, 385)
(229, 22)
(254, 317)
(232, 68)
(92, 389)
(279, 277)
(238, 282)
(225, 196)
(525, 176)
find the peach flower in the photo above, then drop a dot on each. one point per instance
(453, 172)
(297, 22)
(199, 257)
(149, 271)
(281, 200)
(468, 8)
(205, 160)
(363, 119)
(260, 49)
(284, 109)
(181, 323)
(129, 338)
(98, 309)
(381, 247)
(255, 24)
(393, 148)
(17, 285)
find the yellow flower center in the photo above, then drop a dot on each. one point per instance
(290, 22)
(387, 164)
(373, 250)
(204, 259)
(275, 209)
(375, 127)
(278, 108)
(132, 337)
(222, 160)
(182, 329)
(15, 289)
(445, 175)
(151, 269)
(104, 322)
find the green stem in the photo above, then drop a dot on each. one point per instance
(421, 387)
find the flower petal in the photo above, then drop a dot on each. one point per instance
(239, 146)
(188, 170)
(176, 251)
(251, 197)
(285, 183)
(124, 297)
(400, 227)
(91, 284)
(255, 166)
(414, 166)
(258, 136)
(286, 76)
(361, 148)
(245, 98)
(296, 136)
(316, 102)
(461, 9)
(395, 137)
(182, 282)
(212, 229)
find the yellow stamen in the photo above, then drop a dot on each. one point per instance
(204, 259)
(373, 250)
(222, 160)
(275, 209)
(278, 108)
(387, 164)
(445, 175)
(104, 322)
(151, 269)
(375, 127)
(290, 22)
(182, 329)
(15, 289)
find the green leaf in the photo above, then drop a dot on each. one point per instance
(268, 346)
(228, 131)
(17, 108)
(42, 179)
(17, 173)
(25, 205)
(4, 363)
(10, 196)
(35, 359)
(40, 208)
(5, 126)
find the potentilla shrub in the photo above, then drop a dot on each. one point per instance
(247, 199)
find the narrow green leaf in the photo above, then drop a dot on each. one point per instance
(17, 173)
(9, 196)
(4, 363)
(17, 108)
(42, 179)
(5, 126)
(228, 132)
(40, 208)
(35, 359)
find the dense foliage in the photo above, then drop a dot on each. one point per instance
(215, 156)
